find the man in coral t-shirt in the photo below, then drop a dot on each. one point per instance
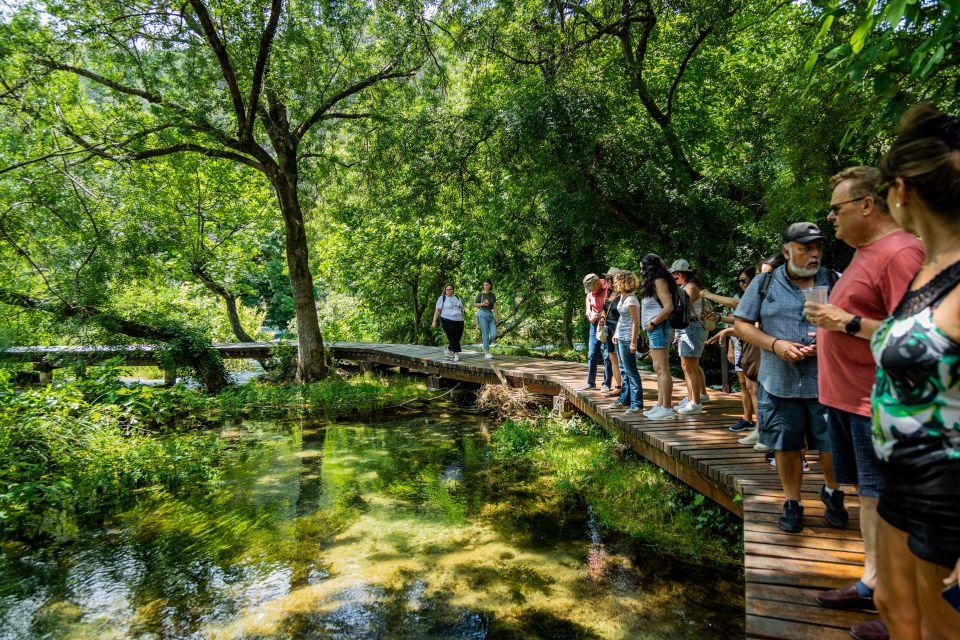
(886, 260)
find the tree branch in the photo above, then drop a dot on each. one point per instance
(384, 74)
(223, 58)
(106, 320)
(683, 66)
(266, 40)
(72, 151)
(107, 82)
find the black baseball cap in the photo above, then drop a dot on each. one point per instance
(802, 232)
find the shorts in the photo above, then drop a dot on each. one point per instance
(792, 424)
(923, 502)
(661, 337)
(690, 340)
(854, 460)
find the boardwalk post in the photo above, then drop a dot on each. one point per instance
(169, 377)
(724, 375)
(45, 369)
(562, 406)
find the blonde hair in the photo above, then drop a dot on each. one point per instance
(625, 281)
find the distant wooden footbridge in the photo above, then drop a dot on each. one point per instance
(783, 572)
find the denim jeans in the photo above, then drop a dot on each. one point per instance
(488, 327)
(595, 350)
(632, 391)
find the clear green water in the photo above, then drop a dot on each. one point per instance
(395, 529)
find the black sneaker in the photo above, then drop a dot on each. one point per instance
(835, 515)
(792, 519)
(742, 425)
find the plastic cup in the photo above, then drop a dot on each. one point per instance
(815, 294)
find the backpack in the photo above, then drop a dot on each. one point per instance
(832, 275)
(709, 316)
(680, 316)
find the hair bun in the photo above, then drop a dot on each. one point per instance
(950, 129)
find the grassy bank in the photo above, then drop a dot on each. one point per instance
(626, 494)
(81, 449)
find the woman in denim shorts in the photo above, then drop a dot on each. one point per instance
(690, 341)
(656, 305)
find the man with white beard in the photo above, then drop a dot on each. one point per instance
(791, 417)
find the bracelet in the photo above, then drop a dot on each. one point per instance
(773, 347)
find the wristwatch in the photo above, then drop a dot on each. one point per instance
(853, 327)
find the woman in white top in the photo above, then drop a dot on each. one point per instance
(449, 311)
(625, 338)
(656, 305)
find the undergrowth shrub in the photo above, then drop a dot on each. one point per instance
(78, 447)
(331, 397)
(626, 494)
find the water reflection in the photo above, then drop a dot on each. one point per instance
(389, 530)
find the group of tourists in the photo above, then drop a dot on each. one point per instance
(663, 304)
(862, 367)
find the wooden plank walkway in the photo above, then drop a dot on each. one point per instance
(783, 572)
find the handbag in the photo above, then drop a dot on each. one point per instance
(602, 334)
(750, 360)
(602, 331)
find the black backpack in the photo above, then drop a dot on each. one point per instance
(680, 316)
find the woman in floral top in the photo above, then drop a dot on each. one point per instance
(916, 398)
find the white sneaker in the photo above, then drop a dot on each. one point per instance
(663, 414)
(690, 409)
(488, 356)
(683, 403)
(456, 357)
(654, 409)
(751, 438)
(760, 447)
(704, 398)
(605, 388)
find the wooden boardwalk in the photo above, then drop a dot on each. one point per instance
(783, 572)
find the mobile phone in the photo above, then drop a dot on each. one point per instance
(952, 595)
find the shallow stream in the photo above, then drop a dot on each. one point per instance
(391, 529)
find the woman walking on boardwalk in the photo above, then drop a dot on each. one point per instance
(449, 311)
(626, 340)
(916, 395)
(690, 341)
(656, 305)
(488, 317)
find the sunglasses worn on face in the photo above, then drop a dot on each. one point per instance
(743, 281)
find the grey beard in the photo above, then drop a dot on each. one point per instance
(802, 273)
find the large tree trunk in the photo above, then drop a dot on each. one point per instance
(310, 361)
(568, 308)
(417, 311)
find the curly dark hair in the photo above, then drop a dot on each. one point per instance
(652, 268)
